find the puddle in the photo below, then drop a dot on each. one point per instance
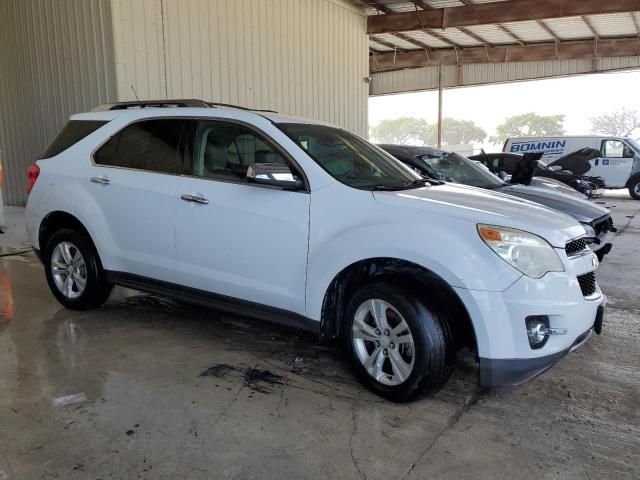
(254, 378)
(7, 251)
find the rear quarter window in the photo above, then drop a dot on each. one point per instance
(72, 133)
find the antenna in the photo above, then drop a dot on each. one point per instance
(134, 92)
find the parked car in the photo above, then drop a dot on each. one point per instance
(564, 169)
(449, 166)
(540, 182)
(309, 225)
(618, 164)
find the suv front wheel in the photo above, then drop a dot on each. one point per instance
(400, 347)
(73, 271)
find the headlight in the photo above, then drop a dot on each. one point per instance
(528, 253)
(589, 229)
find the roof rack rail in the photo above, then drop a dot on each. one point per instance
(217, 104)
(172, 103)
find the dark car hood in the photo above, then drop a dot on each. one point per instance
(582, 210)
(525, 168)
(578, 161)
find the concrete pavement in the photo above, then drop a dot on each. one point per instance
(174, 391)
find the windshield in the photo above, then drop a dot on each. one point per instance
(634, 144)
(351, 160)
(452, 167)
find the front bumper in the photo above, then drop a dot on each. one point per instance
(509, 372)
(602, 244)
(499, 321)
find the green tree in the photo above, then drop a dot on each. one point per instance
(454, 132)
(619, 124)
(529, 125)
(403, 130)
(407, 130)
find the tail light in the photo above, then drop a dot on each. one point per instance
(32, 174)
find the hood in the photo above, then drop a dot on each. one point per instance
(477, 205)
(556, 186)
(577, 162)
(525, 168)
(581, 209)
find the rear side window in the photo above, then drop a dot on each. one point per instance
(151, 145)
(72, 133)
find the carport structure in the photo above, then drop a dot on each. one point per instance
(436, 44)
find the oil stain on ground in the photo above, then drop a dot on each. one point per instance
(256, 379)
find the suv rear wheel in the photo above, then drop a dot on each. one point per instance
(400, 347)
(73, 271)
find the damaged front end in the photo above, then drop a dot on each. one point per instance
(600, 233)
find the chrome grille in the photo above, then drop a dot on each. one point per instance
(587, 283)
(575, 246)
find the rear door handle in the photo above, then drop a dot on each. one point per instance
(194, 198)
(101, 180)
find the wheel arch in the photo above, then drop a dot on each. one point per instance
(57, 220)
(633, 179)
(399, 272)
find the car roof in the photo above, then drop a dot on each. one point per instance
(495, 155)
(412, 150)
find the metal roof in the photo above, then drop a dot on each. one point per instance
(443, 26)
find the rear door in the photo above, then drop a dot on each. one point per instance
(615, 164)
(234, 238)
(134, 178)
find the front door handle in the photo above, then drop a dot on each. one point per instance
(101, 180)
(194, 198)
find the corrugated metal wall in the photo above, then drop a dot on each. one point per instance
(426, 78)
(300, 57)
(56, 59)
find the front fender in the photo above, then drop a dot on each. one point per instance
(448, 247)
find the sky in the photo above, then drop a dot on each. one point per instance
(579, 98)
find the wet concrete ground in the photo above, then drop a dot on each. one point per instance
(174, 391)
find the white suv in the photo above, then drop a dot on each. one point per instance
(311, 226)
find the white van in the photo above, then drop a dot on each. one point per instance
(619, 164)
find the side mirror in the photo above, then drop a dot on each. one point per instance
(273, 175)
(555, 168)
(627, 153)
(503, 175)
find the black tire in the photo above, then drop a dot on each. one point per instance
(634, 187)
(97, 289)
(433, 343)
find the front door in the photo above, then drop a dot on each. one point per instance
(234, 238)
(615, 164)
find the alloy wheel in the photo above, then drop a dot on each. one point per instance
(69, 270)
(383, 342)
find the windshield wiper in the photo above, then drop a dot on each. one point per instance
(421, 182)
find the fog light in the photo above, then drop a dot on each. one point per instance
(537, 331)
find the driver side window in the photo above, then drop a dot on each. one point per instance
(226, 150)
(615, 149)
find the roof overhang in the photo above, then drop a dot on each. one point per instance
(419, 34)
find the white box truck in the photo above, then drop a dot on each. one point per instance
(619, 164)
